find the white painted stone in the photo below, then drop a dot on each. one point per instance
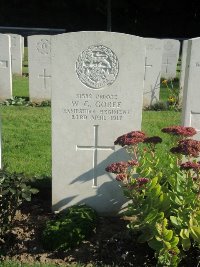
(170, 58)
(183, 68)
(22, 44)
(16, 53)
(191, 93)
(96, 96)
(39, 61)
(5, 67)
(153, 63)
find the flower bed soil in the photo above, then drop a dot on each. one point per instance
(111, 245)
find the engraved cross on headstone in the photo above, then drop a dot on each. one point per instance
(146, 66)
(44, 76)
(166, 64)
(95, 148)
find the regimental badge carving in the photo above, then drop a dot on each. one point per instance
(168, 46)
(44, 46)
(97, 66)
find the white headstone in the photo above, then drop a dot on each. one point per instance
(191, 93)
(5, 68)
(16, 53)
(170, 58)
(96, 96)
(39, 62)
(22, 43)
(153, 63)
(183, 68)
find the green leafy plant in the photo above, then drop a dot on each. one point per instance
(69, 229)
(158, 106)
(173, 98)
(14, 190)
(165, 199)
(24, 101)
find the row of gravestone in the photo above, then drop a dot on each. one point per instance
(11, 57)
(96, 80)
(161, 57)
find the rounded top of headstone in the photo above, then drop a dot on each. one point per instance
(97, 66)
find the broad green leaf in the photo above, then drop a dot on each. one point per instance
(176, 221)
(154, 244)
(156, 190)
(174, 242)
(184, 233)
(195, 233)
(151, 216)
(167, 244)
(34, 190)
(167, 235)
(186, 244)
(153, 183)
(146, 236)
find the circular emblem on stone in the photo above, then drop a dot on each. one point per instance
(44, 46)
(97, 66)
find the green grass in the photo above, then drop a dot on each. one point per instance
(20, 86)
(27, 136)
(165, 92)
(27, 140)
(27, 131)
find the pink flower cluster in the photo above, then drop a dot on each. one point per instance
(131, 138)
(117, 167)
(190, 166)
(180, 130)
(141, 181)
(187, 147)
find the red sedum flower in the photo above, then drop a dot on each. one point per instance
(117, 167)
(180, 131)
(142, 181)
(190, 166)
(187, 147)
(131, 138)
(121, 177)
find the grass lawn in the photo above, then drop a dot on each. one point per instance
(27, 130)
(27, 136)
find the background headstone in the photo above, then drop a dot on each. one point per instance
(183, 68)
(39, 61)
(153, 62)
(16, 53)
(22, 43)
(5, 67)
(191, 93)
(170, 58)
(96, 97)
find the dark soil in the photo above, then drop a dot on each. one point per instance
(111, 245)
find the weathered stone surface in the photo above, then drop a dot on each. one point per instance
(5, 67)
(97, 79)
(191, 93)
(170, 58)
(153, 63)
(16, 53)
(39, 58)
